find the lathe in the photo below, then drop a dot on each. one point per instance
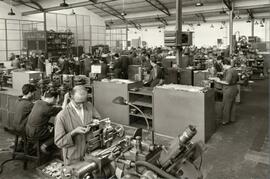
(135, 157)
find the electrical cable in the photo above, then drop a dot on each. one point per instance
(6, 161)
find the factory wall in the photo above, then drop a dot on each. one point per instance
(93, 23)
(203, 35)
(152, 36)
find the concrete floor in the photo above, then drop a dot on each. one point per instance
(236, 151)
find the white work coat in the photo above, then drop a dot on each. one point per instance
(73, 148)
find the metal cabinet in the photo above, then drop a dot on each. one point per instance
(105, 92)
(7, 103)
(174, 110)
(19, 78)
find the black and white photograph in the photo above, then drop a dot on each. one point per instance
(134, 89)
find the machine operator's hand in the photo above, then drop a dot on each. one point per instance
(66, 96)
(80, 130)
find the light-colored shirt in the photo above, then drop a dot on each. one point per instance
(79, 111)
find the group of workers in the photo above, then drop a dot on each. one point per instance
(32, 62)
(67, 131)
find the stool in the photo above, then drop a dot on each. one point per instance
(36, 146)
(15, 152)
(17, 137)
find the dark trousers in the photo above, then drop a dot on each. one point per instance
(229, 95)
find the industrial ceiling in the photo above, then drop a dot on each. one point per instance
(140, 13)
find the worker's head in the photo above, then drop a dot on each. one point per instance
(50, 96)
(147, 56)
(116, 56)
(28, 91)
(79, 95)
(226, 64)
(219, 59)
(153, 61)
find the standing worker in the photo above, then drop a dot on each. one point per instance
(41, 62)
(230, 92)
(156, 77)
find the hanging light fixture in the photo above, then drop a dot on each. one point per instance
(198, 24)
(238, 17)
(256, 23)
(212, 26)
(222, 11)
(249, 20)
(11, 12)
(64, 4)
(123, 13)
(72, 12)
(111, 22)
(199, 3)
(261, 23)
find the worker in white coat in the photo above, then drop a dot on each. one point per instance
(70, 126)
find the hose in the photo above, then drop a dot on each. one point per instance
(155, 169)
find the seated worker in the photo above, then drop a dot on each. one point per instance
(38, 126)
(156, 75)
(230, 91)
(23, 107)
(70, 126)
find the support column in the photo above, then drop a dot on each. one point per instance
(252, 27)
(231, 32)
(45, 32)
(6, 39)
(77, 41)
(179, 33)
(126, 37)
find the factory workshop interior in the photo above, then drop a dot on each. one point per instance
(134, 89)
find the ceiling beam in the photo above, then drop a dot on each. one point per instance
(72, 5)
(28, 5)
(118, 15)
(164, 9)
(162, 20)
(250, 13)
(216, 19)
(228, 4)
(201, 16)
(37, 4)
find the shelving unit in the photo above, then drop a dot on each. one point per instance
(59, 43)
(143, 99)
